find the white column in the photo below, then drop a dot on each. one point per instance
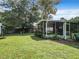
(69, 28)
(46, 28)
(64, 30)
(43, 29)
(55, 28)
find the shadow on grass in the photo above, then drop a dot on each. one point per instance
(25, 34)
(37, 38)
(9, 35)
(2, 38)
(71, 43)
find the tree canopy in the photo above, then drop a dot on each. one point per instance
(26, 11)
(48, 6)
(74, 20)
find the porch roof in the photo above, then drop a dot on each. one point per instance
(52, 20)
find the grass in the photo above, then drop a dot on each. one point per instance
(30, 47)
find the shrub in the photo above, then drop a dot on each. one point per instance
(76, 36)
(55, 37)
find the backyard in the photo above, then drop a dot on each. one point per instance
(30, 47)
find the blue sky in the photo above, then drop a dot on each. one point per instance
(67, 9)
(68, 4)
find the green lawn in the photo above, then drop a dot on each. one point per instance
(29, 47)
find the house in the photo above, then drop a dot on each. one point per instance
(63, 28)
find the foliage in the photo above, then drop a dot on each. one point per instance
(20, 13)
(24, 11)
(9, 19)
(48, 6)
(76, 36)
(34, 17)
(17, 15)
(74, 20)
(55, 37)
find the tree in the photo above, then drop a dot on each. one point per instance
(74, 20)
(18, 13)
(48, 6)
(35, 14)
(22, 11)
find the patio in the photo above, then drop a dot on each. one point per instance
(63, 28)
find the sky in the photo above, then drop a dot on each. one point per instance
(66, 9)
(2, 8)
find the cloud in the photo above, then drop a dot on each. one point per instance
(1, 9)
(66, 13)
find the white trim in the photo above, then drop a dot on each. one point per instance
(55, 28)
(46, 28)
(69, 28)
(50, 20)
(64, 30)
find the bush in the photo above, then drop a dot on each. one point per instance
(55, 37)
(38, 34)
(76, 36)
